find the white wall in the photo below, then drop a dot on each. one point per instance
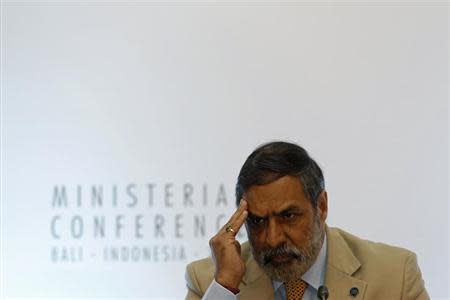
(121, 94)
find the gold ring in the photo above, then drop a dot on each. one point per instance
(229, 228)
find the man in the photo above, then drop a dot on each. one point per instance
(291, 253)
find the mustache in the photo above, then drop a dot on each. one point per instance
(284, 250)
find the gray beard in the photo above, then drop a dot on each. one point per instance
(302, 260)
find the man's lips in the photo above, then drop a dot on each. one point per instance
(280, 259)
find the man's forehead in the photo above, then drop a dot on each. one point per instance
(264, 211)
(284, 193)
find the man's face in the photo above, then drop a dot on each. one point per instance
(285, 231)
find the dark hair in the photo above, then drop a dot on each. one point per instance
(274, 160)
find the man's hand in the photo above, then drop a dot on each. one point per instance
(226, 251)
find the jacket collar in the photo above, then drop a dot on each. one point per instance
(340, 256)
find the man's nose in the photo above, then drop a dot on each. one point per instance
(275, 236)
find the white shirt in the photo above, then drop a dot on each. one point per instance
(315, 277)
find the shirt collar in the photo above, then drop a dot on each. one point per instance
(315, 276)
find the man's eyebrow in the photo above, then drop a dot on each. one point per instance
(252, 215)
(290, 208)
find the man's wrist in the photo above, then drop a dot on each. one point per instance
(216, 291)
(232, 287)
(233, 290)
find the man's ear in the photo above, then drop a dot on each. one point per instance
(322, 205)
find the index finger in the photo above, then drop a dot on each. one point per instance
(238, 218)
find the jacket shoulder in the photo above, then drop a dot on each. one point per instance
(366, 250)
(390, 272)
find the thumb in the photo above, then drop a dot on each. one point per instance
(238, 246)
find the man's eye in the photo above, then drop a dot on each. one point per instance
(289, 215)
(257, 221)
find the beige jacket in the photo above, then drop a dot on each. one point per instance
(379, 271)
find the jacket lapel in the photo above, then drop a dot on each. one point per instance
(255, 284)
(341, 265)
